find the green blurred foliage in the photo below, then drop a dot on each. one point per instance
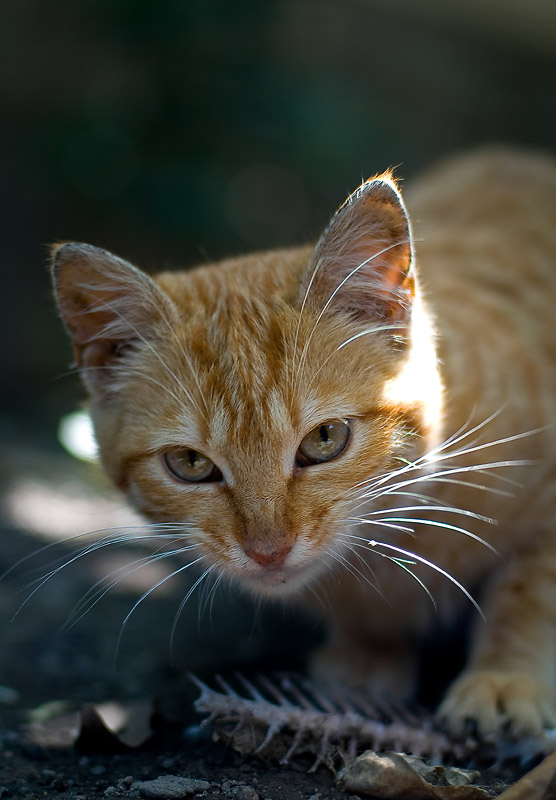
(185, 130)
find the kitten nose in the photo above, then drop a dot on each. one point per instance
(271, 558)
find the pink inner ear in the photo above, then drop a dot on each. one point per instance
(102, 296)
(85, 325)
(363, 260)
(108, 306)
(97, 354)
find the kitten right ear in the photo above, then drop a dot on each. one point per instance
(107, 306)
(362, 264)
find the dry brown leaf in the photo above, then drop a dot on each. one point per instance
(389, 776)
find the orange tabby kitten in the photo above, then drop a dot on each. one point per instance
(343, 423)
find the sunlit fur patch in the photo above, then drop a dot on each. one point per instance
(418, 382)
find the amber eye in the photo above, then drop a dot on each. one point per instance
(191, 466)
(324, 443)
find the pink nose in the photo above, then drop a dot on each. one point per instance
(273, 558)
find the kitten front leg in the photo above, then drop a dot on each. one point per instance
(509, 685)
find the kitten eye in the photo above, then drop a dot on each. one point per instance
(324, 443)
(191, 466)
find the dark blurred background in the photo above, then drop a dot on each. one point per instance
(180, 131)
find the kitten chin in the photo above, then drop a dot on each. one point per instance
(278, 583)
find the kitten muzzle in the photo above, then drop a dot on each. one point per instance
(273, 559)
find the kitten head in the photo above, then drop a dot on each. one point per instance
(252, 399)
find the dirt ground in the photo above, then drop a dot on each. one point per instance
(48, 673)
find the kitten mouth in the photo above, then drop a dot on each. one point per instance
(286, 576)
(280, 580)
(273, 576)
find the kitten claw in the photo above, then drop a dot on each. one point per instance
(500, 704)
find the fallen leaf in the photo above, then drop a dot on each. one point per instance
(389, 776)
(439, 775)
(113, 727)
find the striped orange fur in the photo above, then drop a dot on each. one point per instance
(426, 382)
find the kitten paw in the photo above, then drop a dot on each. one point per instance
(511, 704)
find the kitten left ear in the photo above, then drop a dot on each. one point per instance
(362, 263)
(107, 306)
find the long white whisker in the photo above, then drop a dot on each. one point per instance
(364, 563)
(398, 561)
(299, 316)
(447, 509)
(436, 524)
(438, 454)
(431, 477)
(92, 548)
(88, 534)
(380, 524)
(189, 362)
(112, 307)
(435, 504)
(464, 432)
(212, 595)
(373, 544)
(468, 484)
(351, 568)
(333, 295)
(485, 445)
(366, 332)
(92, 597)
(108, 541)
(148, 593)
(183, 602)
(126, 370)
(421, 583)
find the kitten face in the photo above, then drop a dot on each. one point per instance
(249, 399)
(251, 422)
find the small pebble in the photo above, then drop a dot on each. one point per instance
(245, 792)
(194, 733)
(99, 769)
(169, 787)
